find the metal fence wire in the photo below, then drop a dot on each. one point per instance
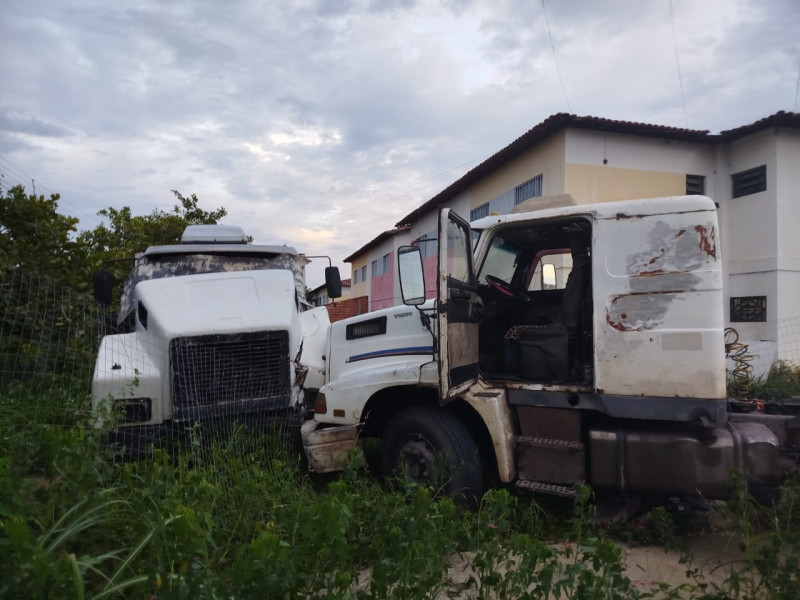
(229, 390)
(194, 392)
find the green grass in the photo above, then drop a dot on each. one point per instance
(241, 517)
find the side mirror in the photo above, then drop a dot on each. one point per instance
(103, 284)
(412, 277)
(333, 282)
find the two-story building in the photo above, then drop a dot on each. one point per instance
(752, 172)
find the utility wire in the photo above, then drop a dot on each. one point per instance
(12, 173)
(678, 63)
(555, 58)
(9, 168)
(413, 190)
(19, 175)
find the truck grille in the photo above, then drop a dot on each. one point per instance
(228, 375)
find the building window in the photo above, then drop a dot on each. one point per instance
(479, 212)
(749, 309)
(356, 273)
(380, 266)
(529, 189)
(695, 185)
(749, 182)
(425, 245)
(364, 273)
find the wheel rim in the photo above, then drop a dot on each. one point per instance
(417, 458)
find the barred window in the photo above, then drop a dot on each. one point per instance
(530, 189)
(695, 184)
(749, 182)
(748, 309)
(479, 212)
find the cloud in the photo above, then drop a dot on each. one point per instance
(319, 124)
(11, 123)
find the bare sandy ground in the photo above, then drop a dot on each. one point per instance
(712, 558)
(712, 555)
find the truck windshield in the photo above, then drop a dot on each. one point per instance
(501, 260)
(176, 265)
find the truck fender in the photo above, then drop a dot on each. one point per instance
(492, 407)
(346, 397)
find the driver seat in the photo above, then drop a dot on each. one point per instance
(545, 351)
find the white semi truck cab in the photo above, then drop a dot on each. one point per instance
(567, 345)
(211, 328)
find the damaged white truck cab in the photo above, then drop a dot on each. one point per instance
(578, 344)
(210, 329)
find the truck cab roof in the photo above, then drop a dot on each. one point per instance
(216, 240)
(255, 250)
(211, 249)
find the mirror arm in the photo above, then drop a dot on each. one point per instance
(425, 318)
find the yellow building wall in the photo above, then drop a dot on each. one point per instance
(599, 183)
(547, 158)
(360, 288)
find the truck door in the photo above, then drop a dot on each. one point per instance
(457, 307)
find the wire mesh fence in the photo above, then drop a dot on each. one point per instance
(764, 359)
(156, 388)
(153, 389)
(771, 341)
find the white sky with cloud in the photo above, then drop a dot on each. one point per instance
(319, 124)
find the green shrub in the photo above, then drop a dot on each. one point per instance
(782, 381)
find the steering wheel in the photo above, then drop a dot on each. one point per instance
(506, 289)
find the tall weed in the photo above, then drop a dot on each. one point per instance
(240, 516)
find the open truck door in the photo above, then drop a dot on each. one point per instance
(457, 309)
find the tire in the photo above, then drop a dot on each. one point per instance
(432, 447)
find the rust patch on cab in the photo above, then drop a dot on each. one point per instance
(708, 240)
(620, 325)
(639, 311)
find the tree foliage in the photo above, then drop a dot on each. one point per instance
(112, 244)
(125, 234)
(35, 236)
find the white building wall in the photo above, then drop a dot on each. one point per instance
(787, 176)
(638, 152)
(428, 224)
(751, 246)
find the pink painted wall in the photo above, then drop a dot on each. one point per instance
(430, 265)
(381, 292)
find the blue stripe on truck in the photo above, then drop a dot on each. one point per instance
(410, 351)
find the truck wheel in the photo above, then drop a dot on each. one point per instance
(432, 447)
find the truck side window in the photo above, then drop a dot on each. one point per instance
(459, 250)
